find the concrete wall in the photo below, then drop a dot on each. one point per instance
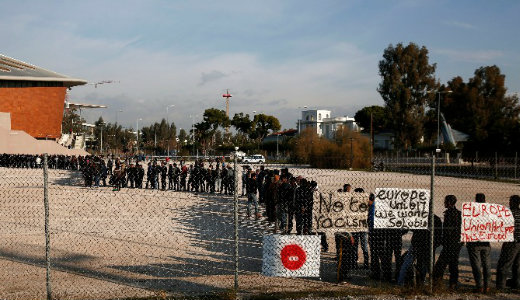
(5, 120)
(35, 110)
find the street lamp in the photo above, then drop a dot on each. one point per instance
(438, 150)
(168, 121)
(137, 132)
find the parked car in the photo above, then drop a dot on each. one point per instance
(254, 159)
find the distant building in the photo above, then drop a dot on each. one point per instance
(313, 118)
(279, 136)
(324, 124)
(34, 97)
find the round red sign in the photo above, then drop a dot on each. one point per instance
(293, 257)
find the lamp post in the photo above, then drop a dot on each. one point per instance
(168, 121)
(137, 132)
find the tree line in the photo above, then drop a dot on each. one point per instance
(479, 107)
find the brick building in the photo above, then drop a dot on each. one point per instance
(34, 97)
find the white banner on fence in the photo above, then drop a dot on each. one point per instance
(486, 222)
(401, 208)
(291, 255)
(340, 212)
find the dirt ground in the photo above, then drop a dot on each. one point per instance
(141, 243)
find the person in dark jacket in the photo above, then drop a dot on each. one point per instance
(345, 255)
(251, 189)
(380, 259)
(419, 251)
(451, 244)
(510, 255)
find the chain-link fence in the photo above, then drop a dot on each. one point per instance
(174, 228)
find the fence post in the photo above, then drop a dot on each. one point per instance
(235, 212)
(432, 221)
(47, 235)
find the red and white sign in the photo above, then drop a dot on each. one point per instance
(486, 222)
(291, 255)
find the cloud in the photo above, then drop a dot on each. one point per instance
(470, 55)
(458, 24)
(211, 76)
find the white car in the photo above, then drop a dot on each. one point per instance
(254, 159)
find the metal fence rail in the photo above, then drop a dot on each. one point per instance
(201, 234)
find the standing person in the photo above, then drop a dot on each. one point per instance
(451, 244)
(345, 255)
(104, 173)
(245, 174)
(176, 177)
(380, 265)
(218, 178)
(260, 180)
(360, 238)
(149, 182)
(285, 197)
(170, 176)
(140, 176)
(110, 164)
(479, 258)
(252, 188)
(510, 254)
(164, 172)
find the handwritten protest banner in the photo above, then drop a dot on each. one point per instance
(401, 208)
(340, 212)
(486, 222)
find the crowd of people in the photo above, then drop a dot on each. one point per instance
(287, 200)
(412, 266)
(27, 161)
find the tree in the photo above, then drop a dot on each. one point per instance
(216, 118)
(71, 122)
(262, 124)
(242, 123)
(482, 109)
(379, 118)
(407, 77)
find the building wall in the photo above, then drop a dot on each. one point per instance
(35, 110)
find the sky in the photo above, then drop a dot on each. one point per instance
(275, 57)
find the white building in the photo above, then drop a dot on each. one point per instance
(324, 124)
(313, 118)
(331, 125)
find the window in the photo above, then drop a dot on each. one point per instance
(319, 117)
(307, 118)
